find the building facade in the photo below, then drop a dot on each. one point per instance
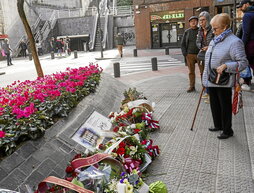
(160, 24)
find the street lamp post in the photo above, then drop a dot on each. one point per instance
(99, 26)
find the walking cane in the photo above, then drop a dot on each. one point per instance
(194, 119)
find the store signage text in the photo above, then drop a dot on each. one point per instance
(167, 16)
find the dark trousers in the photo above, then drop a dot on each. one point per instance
(23, 53)
(8, 57)
(221, 107)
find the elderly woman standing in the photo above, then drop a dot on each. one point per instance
(225, 54)
(205, 35)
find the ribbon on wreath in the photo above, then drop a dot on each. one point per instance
(147, 117)
(153, 150)
(42, 187)
(131, 164)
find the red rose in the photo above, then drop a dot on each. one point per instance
(136, 130)
(69, 179)
(116, 129)
(122, 144)
(69, 169)
(77, 156)
(101, 146)
(120, 151)
(52, 189)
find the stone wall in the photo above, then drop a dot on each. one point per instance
(76, 26)
(125, 26)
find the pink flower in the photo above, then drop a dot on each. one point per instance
(2, 134)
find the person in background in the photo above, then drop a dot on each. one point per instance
(7, 50)
(59, 46)
(39, 47)
(52, 45)
(205, 35)
(248, 40)
(225, 53)
(23, 48)
(190, 50)
(120, 43)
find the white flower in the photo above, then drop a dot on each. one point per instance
(129, 188)
(133, 150)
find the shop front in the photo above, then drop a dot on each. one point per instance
(167, 28)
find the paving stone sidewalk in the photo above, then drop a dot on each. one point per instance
(196, 161)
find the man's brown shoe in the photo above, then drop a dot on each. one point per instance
(191, 89)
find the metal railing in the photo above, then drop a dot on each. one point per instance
(105, 35)
(23, 38)
(94, 32)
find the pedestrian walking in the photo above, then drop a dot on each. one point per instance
(7, 50)
(39, 47)
(59, 46)
(205, 35)
(190, 51)
(23, 48)
(248, 40)
(120, 43)
(225, 54)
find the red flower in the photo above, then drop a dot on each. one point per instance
(2, 134)
(52, 189)
(116, 129)
(69, 169)
(120, 151)
(102, 146)
(69, 179)
(122, 144)
(136, 130)
(77, 156)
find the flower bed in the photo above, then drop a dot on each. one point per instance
(28, 108)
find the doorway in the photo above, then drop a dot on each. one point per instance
(166, 35)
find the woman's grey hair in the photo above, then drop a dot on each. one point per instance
(207, 16)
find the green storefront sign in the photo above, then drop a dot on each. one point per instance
(167, 15)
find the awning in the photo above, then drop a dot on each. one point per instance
(74, 36)
(3, 36)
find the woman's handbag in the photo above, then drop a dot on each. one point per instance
(219, 79)
(215, 78)
(237, 101)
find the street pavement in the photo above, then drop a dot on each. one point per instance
(190, 161)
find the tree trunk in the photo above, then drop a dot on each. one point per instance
(20, 5)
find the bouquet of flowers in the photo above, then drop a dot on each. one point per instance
(129, 183)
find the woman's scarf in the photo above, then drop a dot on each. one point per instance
(222, 36)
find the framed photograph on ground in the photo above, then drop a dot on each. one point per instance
(94, 131)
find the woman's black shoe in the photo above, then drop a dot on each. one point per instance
(225, 136)
(214, 129)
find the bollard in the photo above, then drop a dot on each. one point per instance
(75, 54)
(52, 55)
(154, 64)
(167, 51)
(117, 69)
(30, 56)
(135, 52)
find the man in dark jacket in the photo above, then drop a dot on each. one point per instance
(248, 37)
(190, 50)
(23, 48)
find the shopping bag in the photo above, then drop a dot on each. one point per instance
(237, 102)
(3, 53)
